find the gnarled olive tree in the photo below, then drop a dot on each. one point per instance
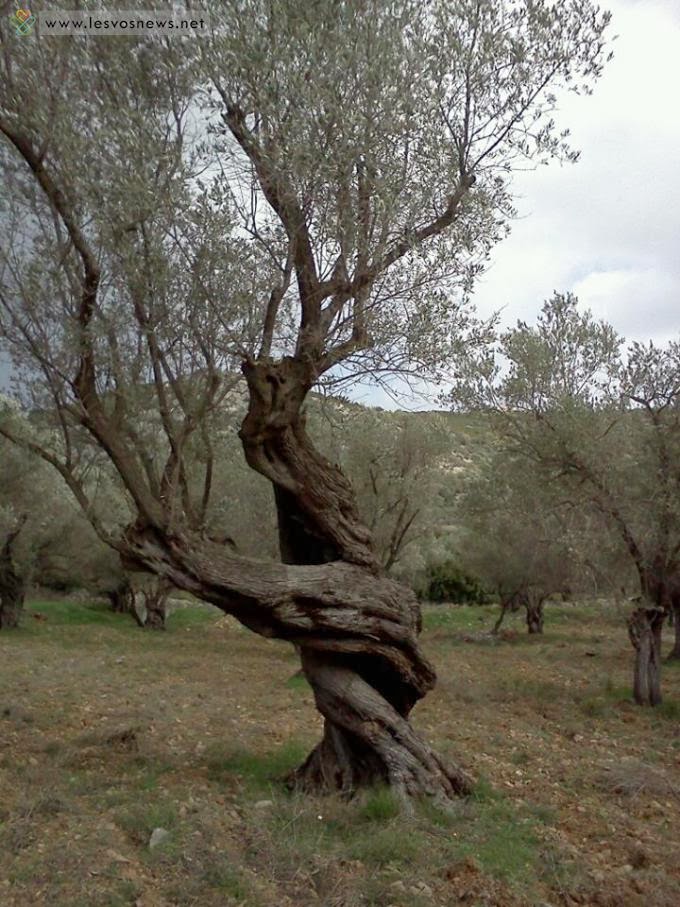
(308, 193)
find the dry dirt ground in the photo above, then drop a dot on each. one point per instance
(108, 732)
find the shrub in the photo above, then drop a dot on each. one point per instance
(446, 582)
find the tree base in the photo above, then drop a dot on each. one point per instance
(344, 766)
(367, 742)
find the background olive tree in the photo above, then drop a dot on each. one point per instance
(604, 423)
(519, 537)
(44, 536)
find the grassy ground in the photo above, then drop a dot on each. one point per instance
(108, 732)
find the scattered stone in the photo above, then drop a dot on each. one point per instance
(158, 835)
(264, 804)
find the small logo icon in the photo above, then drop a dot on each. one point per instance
(23, 21)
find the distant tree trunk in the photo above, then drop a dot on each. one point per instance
(149, 605)
(509, 602)
(12, 586)
(674, 618)
(644, 629)
(534, 605)
(156, 602)
(121, 598)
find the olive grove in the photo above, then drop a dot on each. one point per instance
(305, 196)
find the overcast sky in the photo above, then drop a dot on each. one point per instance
(608, 227)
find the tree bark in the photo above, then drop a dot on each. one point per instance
(12, 586)
(644, 629)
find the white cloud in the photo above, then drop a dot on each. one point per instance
(608, 227)
(644, 300)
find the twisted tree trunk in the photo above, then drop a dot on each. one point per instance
(355, 628)
(363, 685)
(12, 586)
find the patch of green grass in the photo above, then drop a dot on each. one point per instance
(598, 701)
(564, 875)
(484, 791)
(502, 840)
(389, 845)
(527, 689)
(380, 805)
(458, 617)
(298, 682)
(668, 710)
(24, 870)
(75, 613)
(228, 879)
(191, 616)
(148, 773)
(542, 812)
(257, 770)
(125, 893)
(520, 757)
(70, 613)
(595, 707)
(139, 820)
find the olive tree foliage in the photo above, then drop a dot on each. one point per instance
(604, 422)
(310, 192)
(112, 248)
